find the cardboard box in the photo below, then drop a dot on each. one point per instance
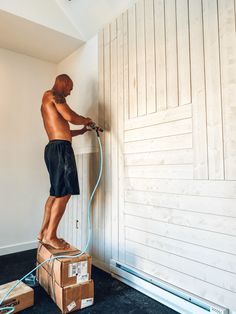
(21, 297)
(70, 298)
(66, 271)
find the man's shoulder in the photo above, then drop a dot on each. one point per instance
(48, 93)
(53, 97)
(47, 96)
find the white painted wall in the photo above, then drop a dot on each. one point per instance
(82, 67)
(24, 180)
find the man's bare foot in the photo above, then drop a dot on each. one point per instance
(56, 243)
(41, 236)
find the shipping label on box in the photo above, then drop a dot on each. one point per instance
(80, 270)
(86, 302)
(71, 306)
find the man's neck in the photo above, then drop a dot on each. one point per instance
(59, 98)
(57, 92)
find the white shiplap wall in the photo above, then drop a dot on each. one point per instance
(167, 99)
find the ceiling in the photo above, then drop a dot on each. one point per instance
(53, 29)
(35, 40)
(89, 16)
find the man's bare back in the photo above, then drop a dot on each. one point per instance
(57, 115)
(55, 125)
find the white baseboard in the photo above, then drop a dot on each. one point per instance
(18, 247)
(174, 297)
(101, 265)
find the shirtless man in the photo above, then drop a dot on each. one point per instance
(59, 157)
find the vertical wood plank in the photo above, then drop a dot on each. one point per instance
(107, 154)
(171, 54)
(78, 212)
(74, 208)
(107, 35)
(94, 165)
(150, 56)
(228, 70)
(64, 226)
(160, 48)
(183, 52)
(101, 120)
(141, 64)
(198, 91)
(81, 201)
(114, 136)
(90, 186)
(69, 231)
(132, 59)
(235, 13)
(120, 137)
(113, 26)
(213, 91)
(126, 66)
(85, 203)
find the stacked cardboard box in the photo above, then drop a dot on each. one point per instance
(21, 297)
(67, 280)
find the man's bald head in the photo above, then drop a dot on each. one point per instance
(63, 84)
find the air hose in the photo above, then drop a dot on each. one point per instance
(10, 309)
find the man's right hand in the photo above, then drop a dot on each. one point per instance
(88, 121)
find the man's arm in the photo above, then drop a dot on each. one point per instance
(79, 132)
(69, 115)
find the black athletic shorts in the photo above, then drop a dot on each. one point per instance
(60, 160)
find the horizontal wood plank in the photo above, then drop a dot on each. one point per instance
(211, 275)
(223, 261)
(211, 205)
(160, 171)
(202, 238)
(158, 144)
(190, 283)
(209, 188)
(163, 116)
(159, 130)
(202, 221)
(171, 157)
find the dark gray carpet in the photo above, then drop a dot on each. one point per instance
(110, 295)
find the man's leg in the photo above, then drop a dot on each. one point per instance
(57, 211)
(46, 218)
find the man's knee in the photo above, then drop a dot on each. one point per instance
(64, 198)
(52, 198)
(50, 201)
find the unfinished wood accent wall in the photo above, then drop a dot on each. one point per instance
(167, 99)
